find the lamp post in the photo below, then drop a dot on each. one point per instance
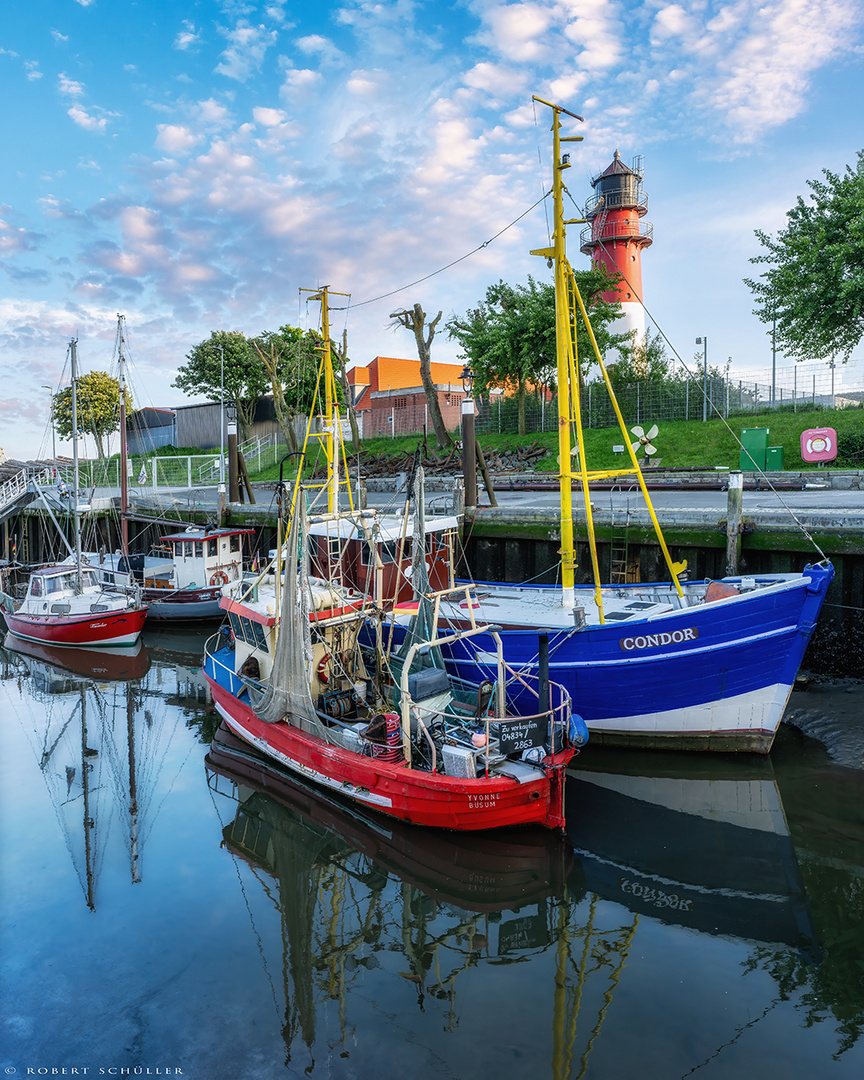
(469, 451)
(774, 363)
(50, 389)
(703, 341)
(221, 349)
(233, 471)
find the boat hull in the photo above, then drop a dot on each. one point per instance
(183, 605)
(106, 629)
(716, 676)
(411, 795)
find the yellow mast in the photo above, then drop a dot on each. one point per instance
(569, 404)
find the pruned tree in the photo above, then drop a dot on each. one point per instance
(814, 282)
(98, 398)
(415, 321)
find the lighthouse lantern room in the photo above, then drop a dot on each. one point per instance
(616, 235)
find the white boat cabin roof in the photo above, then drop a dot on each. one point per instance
(386, 529)
(206, 534)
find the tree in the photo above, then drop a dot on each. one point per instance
(641, 360)
(98, 399)
(290, 359)
(814, 284)
(242, 377)
(415, 320)
(509, 340)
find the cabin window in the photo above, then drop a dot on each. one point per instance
(54, 584)
(188, 547)
(258, 635)
(389, 551)
(36, 586)
(212, 546)
(236, 626)
(60, 609)
(178, 551)
(97, 607)
(199, 549)
(235, 541)
(89, 578)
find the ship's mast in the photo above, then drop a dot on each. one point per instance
(73, 361)
(124, 479)
(569, 404)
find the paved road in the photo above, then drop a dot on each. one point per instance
(753, 501)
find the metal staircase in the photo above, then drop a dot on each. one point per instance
(20, 489)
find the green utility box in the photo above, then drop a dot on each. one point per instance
(754, 448)
(774, 461)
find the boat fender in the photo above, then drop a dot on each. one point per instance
(577, 730)
(321, 670)
(219, 578)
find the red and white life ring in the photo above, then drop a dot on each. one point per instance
(321, 671)
(219, 578)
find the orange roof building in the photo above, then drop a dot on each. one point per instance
(387, 373)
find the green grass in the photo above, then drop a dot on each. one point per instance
(680, 443)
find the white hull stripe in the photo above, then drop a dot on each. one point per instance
(759, 710)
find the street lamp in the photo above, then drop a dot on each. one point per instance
(50, 389)
(469, 451)
(233, 471)
(703, 341)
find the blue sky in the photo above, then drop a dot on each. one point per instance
(192, 164)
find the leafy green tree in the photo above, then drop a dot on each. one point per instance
(814, 284)
(642, 360)
(98, 398)
(245, 378)
(509, 340)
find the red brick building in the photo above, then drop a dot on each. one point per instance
(389, 398)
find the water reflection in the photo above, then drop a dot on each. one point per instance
(704, 845)
(100, 739)
(697, 911)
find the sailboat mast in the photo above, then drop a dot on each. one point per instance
(124, 468)
(331, 446)
(73, 361)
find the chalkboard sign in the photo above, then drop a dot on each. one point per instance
(516, 735)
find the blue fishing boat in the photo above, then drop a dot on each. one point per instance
(673, 664)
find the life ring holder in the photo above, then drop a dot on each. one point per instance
(219, 578)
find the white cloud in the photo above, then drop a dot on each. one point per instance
(316, 45)
(85, 3)
(32, 69)
(211, 113)
(245, 54)
(58, 36)
(176, 138)
(300, 79)
(15, 240)
(69, 87)
(90, 121)
(518, 31)
(268, 117)
(188, 37)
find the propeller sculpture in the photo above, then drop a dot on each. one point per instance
(644, 439)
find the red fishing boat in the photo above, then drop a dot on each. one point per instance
(389, 730)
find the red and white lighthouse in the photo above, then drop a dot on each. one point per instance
(617, 234)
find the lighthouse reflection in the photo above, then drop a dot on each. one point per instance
(375, 915)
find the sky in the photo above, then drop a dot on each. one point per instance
(193, 165)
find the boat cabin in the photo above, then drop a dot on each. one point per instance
(379, 564)
(198, 558)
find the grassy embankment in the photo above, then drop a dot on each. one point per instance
(680, 443)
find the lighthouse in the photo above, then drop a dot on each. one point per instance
(616, 235)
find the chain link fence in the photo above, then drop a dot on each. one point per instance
(683, 397)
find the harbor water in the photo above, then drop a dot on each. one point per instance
(175, 906)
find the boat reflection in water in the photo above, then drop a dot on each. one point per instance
(371, 909)
(46, 661)
(99, 738)
(701, 843)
